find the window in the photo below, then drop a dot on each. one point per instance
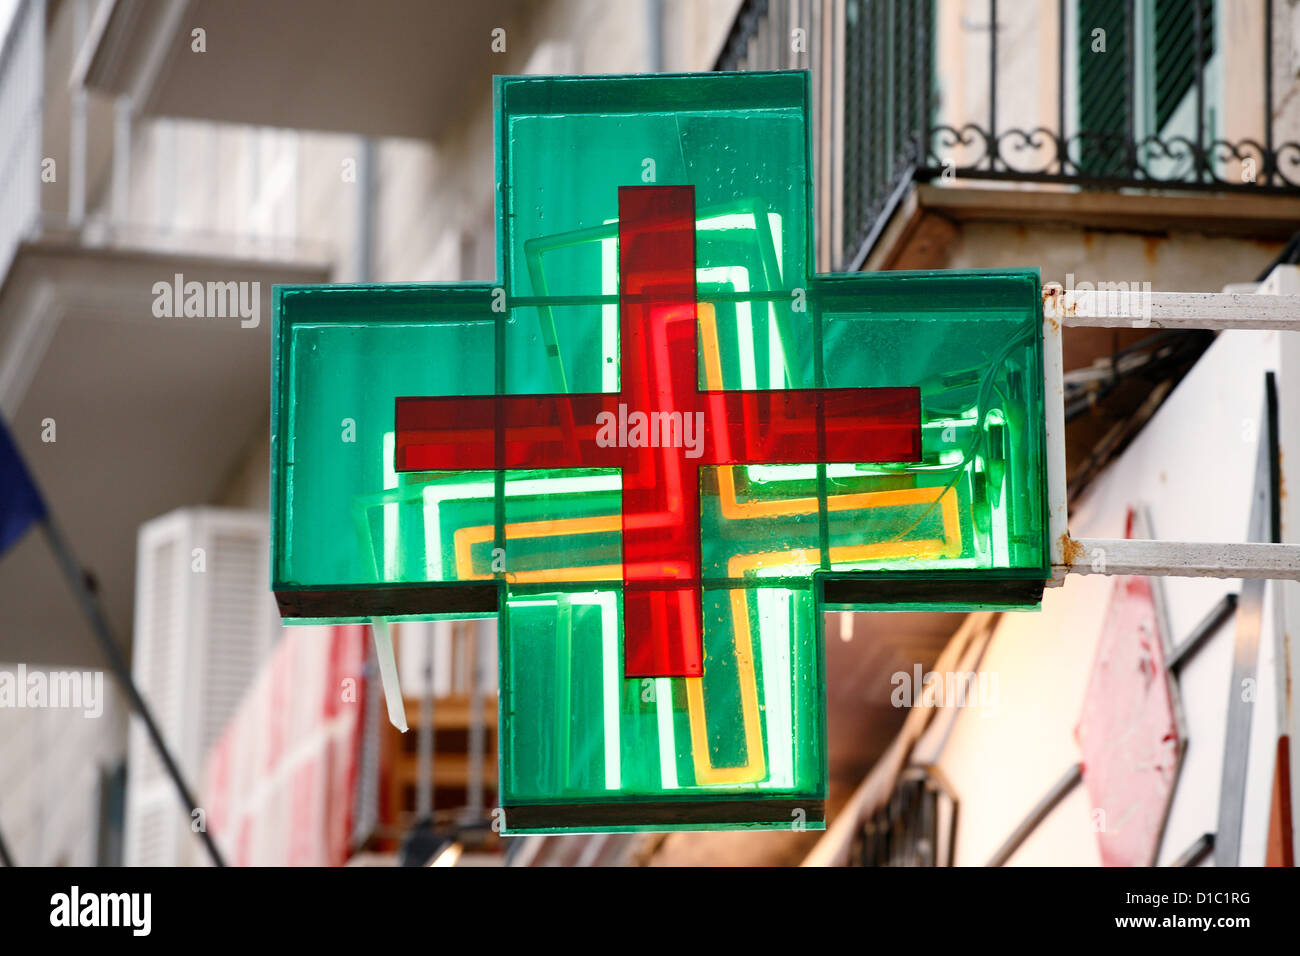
(1136, 80)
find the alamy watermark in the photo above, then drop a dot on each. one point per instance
(651, 430)
(56, 690)
(1129, 300)
(949, 689)
(133, 911)
(208, 300)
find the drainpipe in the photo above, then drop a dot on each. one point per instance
(654, 23)
(424, 744)
(364, 247)
(121, 161)
(77, 120)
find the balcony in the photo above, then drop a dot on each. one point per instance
(150, 409)
(379, 68)
(1128, 114)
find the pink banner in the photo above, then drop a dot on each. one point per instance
(279, 786)
(1128, 732)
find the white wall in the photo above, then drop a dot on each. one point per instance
(49, 789)
(1193, 467)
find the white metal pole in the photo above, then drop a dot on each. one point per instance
(1119, 304)
(1186, 559)
(1054, 400)
(1129, 308)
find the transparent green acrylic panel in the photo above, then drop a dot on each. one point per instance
(972, 342)
(593, 747)
(342, 516)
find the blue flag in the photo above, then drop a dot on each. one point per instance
(21, 504)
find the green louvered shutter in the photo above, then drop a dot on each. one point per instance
(1175, 48)
(1104, 120)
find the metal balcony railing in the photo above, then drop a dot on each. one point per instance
(1139, 100)
(917, 827)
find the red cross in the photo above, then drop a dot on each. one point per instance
(661, 486)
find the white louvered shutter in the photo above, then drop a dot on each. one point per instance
(200, 637)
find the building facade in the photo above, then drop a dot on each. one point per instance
(150, 144)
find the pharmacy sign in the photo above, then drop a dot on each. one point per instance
(656, 449)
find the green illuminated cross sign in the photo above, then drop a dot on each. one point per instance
(695, 445)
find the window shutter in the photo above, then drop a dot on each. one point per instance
(1104, 120)
(200, 637)
(1175, 36)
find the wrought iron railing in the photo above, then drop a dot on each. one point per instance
(888, 125)
(917, 827)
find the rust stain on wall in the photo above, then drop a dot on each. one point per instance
(1151, 248)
